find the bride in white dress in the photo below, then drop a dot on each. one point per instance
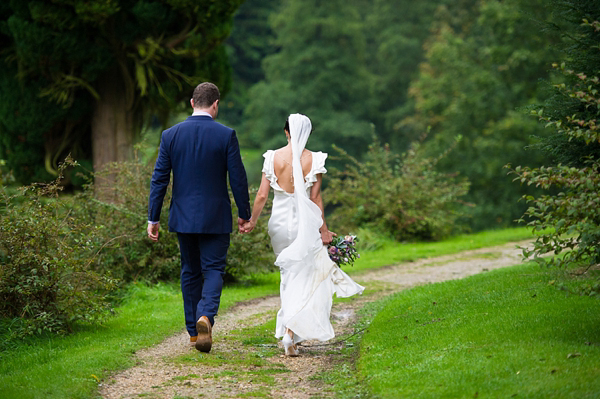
(299, 237)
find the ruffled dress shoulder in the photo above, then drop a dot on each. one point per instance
(318, 167)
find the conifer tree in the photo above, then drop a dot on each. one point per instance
(319, 70)
(568, 213)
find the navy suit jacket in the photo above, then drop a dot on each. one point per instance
(200, 152)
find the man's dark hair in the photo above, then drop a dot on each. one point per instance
(205, 94)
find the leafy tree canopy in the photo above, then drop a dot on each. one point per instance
(319, 70)
(80, 76)
(479, 68)
(579, 50)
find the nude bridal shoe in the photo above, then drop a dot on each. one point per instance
(289, 346)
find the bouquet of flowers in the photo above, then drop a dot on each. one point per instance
(342, 250)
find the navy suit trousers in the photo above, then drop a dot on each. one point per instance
(202, 270)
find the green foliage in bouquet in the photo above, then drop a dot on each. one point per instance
(402, 196)
(46, 278)
(342, 250)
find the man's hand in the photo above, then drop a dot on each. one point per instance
(245, 226)
(153, 231)
(242, 225)
(249, 226)
(327, 236)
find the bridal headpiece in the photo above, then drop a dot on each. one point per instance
(308, 240)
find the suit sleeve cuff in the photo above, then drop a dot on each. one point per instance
(151, 222)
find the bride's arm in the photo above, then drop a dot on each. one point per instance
(315, 196)
(261, 199)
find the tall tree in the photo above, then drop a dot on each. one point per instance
(374, 53)
(569, 218)
(81, 76)
(396, 32)
(251, 40)
(579, 50)
(479, 68)
(319, 70)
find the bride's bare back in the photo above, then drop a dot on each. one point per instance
(282, 164)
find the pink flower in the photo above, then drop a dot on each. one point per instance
(332, 250)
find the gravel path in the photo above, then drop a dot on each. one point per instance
(160, 372)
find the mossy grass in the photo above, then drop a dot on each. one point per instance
(506, 333)
(255, 343)
(248, 364)
(71, 366)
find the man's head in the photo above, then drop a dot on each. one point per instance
(206, 97)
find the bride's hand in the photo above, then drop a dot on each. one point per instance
(246, 226)
(249, 226)
(327, 236)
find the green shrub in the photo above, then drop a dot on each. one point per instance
(117, 202)
(46, 281)
(571, 218)
(61, 258)
(128, 254)
(6, 176)
(250, 253)
(401, 196)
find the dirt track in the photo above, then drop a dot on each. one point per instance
(229, 371)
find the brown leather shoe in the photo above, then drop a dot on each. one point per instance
(204, 329)
(193, 340)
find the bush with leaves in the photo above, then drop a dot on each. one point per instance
(572, 217)
(119, 209)
(46, 278)
(402, 196)
(250, 254)
(128, 254)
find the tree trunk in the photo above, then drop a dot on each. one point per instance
(113, 132)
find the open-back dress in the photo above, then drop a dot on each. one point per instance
(309, 278)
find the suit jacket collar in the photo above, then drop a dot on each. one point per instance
(200, 118)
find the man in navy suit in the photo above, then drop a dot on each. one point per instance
(200, 152)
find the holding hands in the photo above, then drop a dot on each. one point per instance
(245, 226)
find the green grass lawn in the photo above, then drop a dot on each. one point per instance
(506, 333)
(71, 366)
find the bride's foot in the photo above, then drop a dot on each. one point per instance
(289, 346)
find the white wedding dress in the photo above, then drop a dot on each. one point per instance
(309, 278)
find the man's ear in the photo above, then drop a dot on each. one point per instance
(192, 102)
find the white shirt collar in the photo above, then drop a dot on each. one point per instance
(201, 113)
